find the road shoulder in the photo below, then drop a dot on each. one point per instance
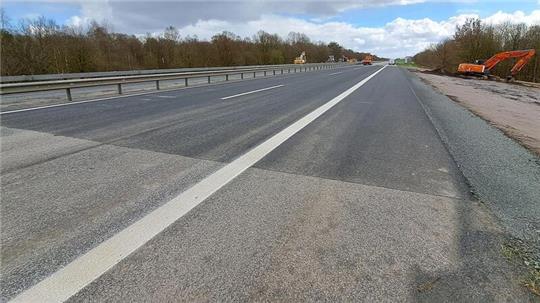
(514, 109)
(502, 174)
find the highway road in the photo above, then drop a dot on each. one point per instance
(331, 185)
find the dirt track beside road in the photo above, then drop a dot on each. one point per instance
(512, 108)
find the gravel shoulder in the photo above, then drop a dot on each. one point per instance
(502, 173)
(514, 109)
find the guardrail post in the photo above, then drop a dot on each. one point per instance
(209, 80)
(157, 84)
(274, 72)
(242, 76)
(186, 82)
(119, 88)
(282, 71)
(227, 77)
(265, 73)
(68, 94)
(254, 74)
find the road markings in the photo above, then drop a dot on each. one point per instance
(69, 280)
(81, 102)
(118, 97)
(334, 73)
(252, 92)
(169, 97)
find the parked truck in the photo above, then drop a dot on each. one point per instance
(368, 60)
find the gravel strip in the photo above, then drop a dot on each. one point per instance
(501, 173)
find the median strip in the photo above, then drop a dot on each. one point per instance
(251, 92)
(76, 275)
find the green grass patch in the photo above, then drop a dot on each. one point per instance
(516, 251)
(409, 64)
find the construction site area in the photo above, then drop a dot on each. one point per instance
(510, 105)
(514, 108)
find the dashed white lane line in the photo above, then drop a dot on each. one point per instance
(252, 92)
(165, 96)
(76, 275)
(334, 73)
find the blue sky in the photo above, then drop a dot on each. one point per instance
(359, 24)
(58, 12)
(436, 11)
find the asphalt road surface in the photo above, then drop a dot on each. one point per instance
(323, 186)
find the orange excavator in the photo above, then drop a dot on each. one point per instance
(483, 68)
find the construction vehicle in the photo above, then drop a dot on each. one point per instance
(368, 60)
(301, 59)
(483, 68)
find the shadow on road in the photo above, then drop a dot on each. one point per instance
(481, 273)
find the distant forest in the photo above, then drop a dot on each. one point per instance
(40, 46)
(476, 40)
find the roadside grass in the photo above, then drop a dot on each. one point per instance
(410, 64)
(517, 251)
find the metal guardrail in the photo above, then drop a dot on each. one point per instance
(69, 76)
(68, 85)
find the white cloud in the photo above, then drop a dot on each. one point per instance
(397, 38)
(198, 17)
(137, 16)
(517, 16)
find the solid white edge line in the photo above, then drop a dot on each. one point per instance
(252, 92)
(76, 275)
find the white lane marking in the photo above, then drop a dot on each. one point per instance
(114, 98)
(252, 92)
(86, 101)
(334, 73)
(76, 275)
(169, 97)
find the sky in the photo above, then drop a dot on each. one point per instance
(388, 28)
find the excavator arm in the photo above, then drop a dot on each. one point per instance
(524, 55)
(521, 62)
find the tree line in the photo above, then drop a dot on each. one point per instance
(476, 40)
(40, 46)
